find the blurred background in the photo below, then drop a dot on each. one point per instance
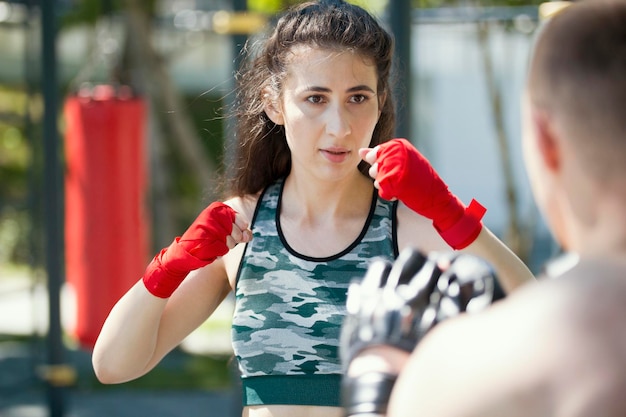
(113, 132)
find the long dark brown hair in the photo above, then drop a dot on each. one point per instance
(261, 153)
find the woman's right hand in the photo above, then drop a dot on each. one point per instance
(157, 313)
(215, 231)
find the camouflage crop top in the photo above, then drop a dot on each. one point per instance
(289, 307)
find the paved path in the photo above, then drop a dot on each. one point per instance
(23, 314)
(120, 403)
(22, 393)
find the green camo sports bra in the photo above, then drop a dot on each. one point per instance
(289, 307)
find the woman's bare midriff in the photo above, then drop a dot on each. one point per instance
(291, 411)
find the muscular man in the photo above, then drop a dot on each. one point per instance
(556, 347)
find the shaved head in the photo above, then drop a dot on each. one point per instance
(578, 76)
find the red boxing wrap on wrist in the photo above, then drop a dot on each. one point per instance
(405, 174)
(200, 245)
(467, 229)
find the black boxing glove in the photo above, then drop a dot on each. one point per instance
(383, 307)
(396, 305)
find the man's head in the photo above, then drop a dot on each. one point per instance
(575, 113)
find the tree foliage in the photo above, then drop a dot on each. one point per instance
(88, 12)
(275, 6)
(479, 3)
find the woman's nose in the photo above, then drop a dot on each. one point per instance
(338, 122)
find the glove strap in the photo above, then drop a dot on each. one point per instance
(467, 229)
(367, 395)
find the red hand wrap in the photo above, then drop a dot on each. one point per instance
(200, 245)
(405, 174)
(467, 229)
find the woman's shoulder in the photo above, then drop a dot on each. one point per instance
(417, 231)
(245, 204)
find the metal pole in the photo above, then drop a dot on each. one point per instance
(400, 24)
(238, 41)
(52, 206)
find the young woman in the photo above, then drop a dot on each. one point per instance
(303, 219)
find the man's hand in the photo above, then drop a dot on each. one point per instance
(395, 306)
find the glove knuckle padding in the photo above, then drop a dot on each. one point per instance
(382, 308)
(396, 305)
(466, 286)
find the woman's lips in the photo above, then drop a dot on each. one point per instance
(335, 154)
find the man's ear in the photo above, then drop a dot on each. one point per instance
(272, 107)
(548, 140)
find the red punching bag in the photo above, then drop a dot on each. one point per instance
(106, 229)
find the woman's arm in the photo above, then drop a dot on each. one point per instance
(180, 289)
(511, 271)
(417, 231)
(401, 172)
(142, 328)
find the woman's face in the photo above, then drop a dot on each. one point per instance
(329, 108)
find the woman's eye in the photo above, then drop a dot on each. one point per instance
(315, 99)
(358, 98)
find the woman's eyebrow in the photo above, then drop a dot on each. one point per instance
(362, 87)
(318, 89)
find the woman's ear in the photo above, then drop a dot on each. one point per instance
(382, 99)
(272, 107)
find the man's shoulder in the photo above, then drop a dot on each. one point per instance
(543, 320)
(575, 301)
(591, 288)
(536, 350)
(563, 319)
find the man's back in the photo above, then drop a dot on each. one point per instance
(589, 375)
(554, 348)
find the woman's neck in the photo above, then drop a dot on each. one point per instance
(328, 200)
(323, 219)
